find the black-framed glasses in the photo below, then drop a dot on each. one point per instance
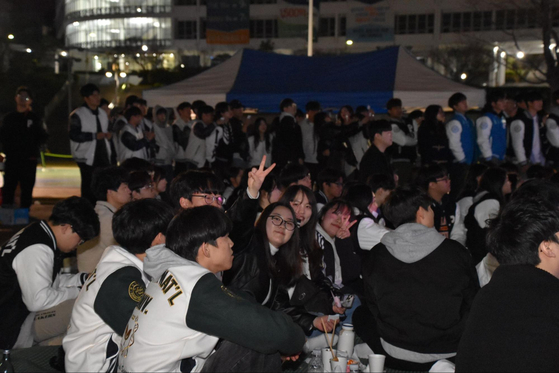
(210, 198)
(445, 179)
(278, 221)
(148, 186)
(82, 241)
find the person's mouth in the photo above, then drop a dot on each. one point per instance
(280, 232)
(336, 226)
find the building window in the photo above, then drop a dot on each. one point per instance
(185, 2)
(342, 30)
(414, 24)
(186, 30)
(470, 21)
(327, 27)
(263, 28)
(202, 28)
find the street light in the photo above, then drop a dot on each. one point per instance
(122, 74)
(11, 36)
(349, 42)
(520, 55)
(503, 54)
(28, 50)
(463, 76)
(64, 54)
(109, 74)
(145, 48)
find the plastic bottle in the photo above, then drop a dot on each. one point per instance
(6, 365)
(315, 365)
(347, 339)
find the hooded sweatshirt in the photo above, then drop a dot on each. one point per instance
(419, 286)
(163, 140)
(185, 310)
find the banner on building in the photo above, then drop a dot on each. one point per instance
(370, 20)
(293, 20)
(227, 22)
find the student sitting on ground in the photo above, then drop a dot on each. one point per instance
(35, 299)
(186, 309)
(514, 324)
(419, 287)
(111, 292)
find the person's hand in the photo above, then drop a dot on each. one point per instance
(149, 135)
(338, 310)
(343, 232)
(108, 135)
(326, 153)
(290, 358)
(329, 324)
(256, 177)
(100, 135)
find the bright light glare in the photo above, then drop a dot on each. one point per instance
(145, 48)
(122, 74)
(520, 55)
(63, 53)
(95, 57)
(76, 24)
(137, 54)
(503, 54)
(28, 50)
(172, 55)
(92, 34)
(111, 106)
(552, 46)
(109, 74)
(11, 36)
(139, 10)
(156, 24)
(182, 65)
(349, 42)
(495, 49)
(463, 76)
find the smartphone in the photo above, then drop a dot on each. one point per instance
(347, 300)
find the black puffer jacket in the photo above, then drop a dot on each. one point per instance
(250, 271)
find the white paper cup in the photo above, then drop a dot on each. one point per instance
(326, 356)
(339, 366)
(376, 363)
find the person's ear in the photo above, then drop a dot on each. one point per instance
(432, 184)
(546, 249)
(158, 240)
(65, 228)
(420, 215)
(185, 203)
(205, 249)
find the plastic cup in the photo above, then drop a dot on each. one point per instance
(376, 363)
(339, 366)
(326, 356)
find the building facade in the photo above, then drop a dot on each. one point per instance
(175, 30)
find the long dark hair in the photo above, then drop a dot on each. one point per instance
(256, 133)
(360, 196)
(319, 122)
(431, 122)
(285, 266)
(492, 181)
(349, 109)
(472, 184)
(308, 246)
(338, 204)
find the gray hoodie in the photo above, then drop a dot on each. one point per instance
(164, 140)
(159, 259)
(411, 242)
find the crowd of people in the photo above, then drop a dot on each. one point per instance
(209, 242)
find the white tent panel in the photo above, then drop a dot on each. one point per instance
(419, 99)
(210, 86)
(423, 86)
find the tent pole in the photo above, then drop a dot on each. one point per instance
(311, 19)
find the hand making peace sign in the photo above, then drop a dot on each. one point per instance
(256, 177)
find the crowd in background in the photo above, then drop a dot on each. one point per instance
(392, 225)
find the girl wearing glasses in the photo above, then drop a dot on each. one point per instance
(313, 290)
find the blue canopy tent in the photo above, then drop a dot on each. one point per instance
(261, 80)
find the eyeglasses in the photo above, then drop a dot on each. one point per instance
(26, 98)
(148, 186)
(339, 184)
(445, 179)
(82, 241)
(278, 221)
(210, 198)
